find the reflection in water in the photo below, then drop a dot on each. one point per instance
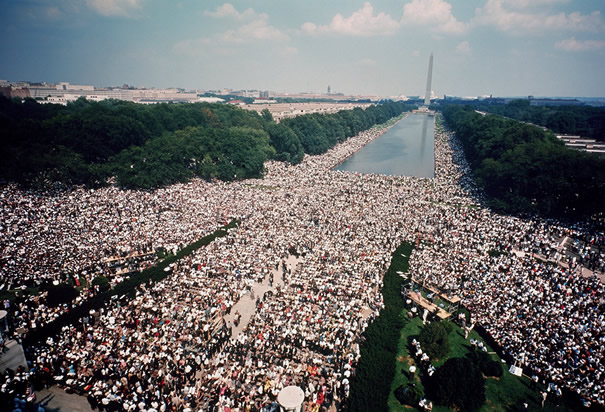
(425, 120)
(406, 149)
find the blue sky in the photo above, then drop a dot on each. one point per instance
(380, 47)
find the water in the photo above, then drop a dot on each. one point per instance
(406, 149)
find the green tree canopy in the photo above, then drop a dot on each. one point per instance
(434, 340)
(60, 294)
(286, 143)
(147, 146)
(525, 169)
(457, 384)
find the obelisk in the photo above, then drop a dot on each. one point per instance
(427, 95)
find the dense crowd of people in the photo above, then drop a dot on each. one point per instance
(74, 235)
(518, 282)
(169, 348)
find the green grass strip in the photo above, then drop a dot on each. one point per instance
(376, 369)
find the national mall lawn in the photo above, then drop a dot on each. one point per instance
(507, 393)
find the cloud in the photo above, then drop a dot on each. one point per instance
(192, 47)
(367, 62)
(120, 8)
(574, 45)
(416, 53)
(436, 14)
(287, 51)
(495, 14)
(41, 11)
(362, 23)
(258, 29)
(524, 4)
(53, 12)
(228, 11)
(463, 48)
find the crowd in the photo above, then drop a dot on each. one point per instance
(169, 348)
(515, 278)
(73, 236)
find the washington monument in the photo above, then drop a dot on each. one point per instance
(427, 95)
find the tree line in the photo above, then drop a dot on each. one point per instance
(586, 121)
(148, 146)
(525, 169)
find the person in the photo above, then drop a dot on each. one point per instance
(339, 267)
(92, 400)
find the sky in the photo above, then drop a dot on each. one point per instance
(379, 47)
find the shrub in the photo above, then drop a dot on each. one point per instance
(408, 395)
(102, 282)
(434, 340)
(494, 253)
(371, 385)
(127, 287)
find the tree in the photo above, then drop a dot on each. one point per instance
(485, 363)
(434, 340)
(266, 115)
(458, 384)
(286, 143)
(60, 294)
(310, 133)
(147, 147)
(526, 170)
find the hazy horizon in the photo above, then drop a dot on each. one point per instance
(499, 47)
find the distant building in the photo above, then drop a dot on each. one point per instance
(55, 100)
(554, 102)
(583, 144)
(11, 92)
(329, 90)
(211, 99)
(264, 100)
(68, 86)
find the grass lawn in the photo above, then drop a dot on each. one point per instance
(12, 294)
(503, 394)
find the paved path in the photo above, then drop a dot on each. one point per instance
(12, 356)
(581, 270)
(246, 306)
(56, 399)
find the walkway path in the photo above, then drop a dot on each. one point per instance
(246, 306)
(56, 399)
(12, 356)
